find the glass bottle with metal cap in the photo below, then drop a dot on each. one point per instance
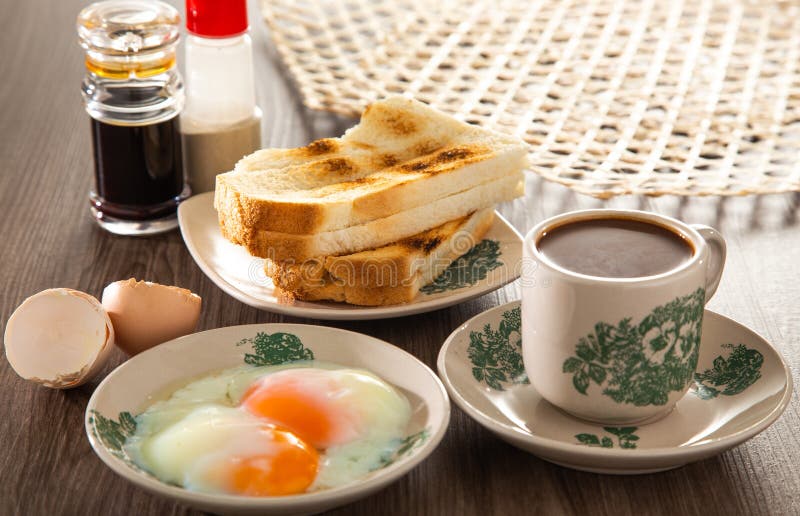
(134, 95)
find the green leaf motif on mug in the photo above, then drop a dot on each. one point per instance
(468, 269)
(626, 437)
(496, 355)
(732, 375)
(642, 363)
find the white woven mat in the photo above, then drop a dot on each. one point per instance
(693, 97)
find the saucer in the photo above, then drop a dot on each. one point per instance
(492, 263)
(742, 386)
(110, 413)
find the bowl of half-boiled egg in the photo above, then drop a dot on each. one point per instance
(267, 419)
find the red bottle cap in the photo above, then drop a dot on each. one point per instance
(216, 18)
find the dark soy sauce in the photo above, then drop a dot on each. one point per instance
(138, 169)
(615, 247)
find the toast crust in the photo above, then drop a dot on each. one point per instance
(389, 275)
(401, 155)
(298, 248)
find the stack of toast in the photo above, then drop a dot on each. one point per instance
(373, 216)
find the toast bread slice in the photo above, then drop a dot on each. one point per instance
(388, 275)
(376, 233)
(402, 155)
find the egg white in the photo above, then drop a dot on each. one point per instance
(384, 415)
(178, 439)
(189, 451)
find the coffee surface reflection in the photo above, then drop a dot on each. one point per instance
(615, 248)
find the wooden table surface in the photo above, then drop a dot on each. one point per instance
(49, 240)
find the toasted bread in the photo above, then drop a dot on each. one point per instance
(388, 275)
(402, 155)
(377, 233)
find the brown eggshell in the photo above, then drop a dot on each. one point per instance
(60, 338)
(145, 314)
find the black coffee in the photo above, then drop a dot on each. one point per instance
(615, 248)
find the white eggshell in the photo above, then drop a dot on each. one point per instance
(145, 314)
(59, 337)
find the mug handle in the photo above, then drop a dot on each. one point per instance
(716, 257)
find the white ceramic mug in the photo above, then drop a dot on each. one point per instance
(616, 350)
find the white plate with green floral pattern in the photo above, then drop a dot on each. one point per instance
(111, 413)
(742, 386)
(492, 263)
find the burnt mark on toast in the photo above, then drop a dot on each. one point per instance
(426, 244)
(401, 125)
(367, 180)
(323, 146)
(417, 166)
(449, 156)
(454, 154)
(394, 121)
(429, 240)
(344, 185)
(427, 147)
(336, 165)
(389, 160)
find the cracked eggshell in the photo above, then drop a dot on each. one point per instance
(60, 338)
(145, 314)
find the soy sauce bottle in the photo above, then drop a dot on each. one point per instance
(134, 95)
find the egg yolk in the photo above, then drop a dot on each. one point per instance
(290, 470)
(312, 418)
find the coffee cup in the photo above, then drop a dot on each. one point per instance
(612, 310)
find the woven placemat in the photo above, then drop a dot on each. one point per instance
(650, 97)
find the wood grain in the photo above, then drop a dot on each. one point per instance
(49, 240)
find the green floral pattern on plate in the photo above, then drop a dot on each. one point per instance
(496, 355)
(468, 269)
(113, 434)
(275, 349)
(732, 375)
(642, 363)
(404, 447)
(626, 437)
